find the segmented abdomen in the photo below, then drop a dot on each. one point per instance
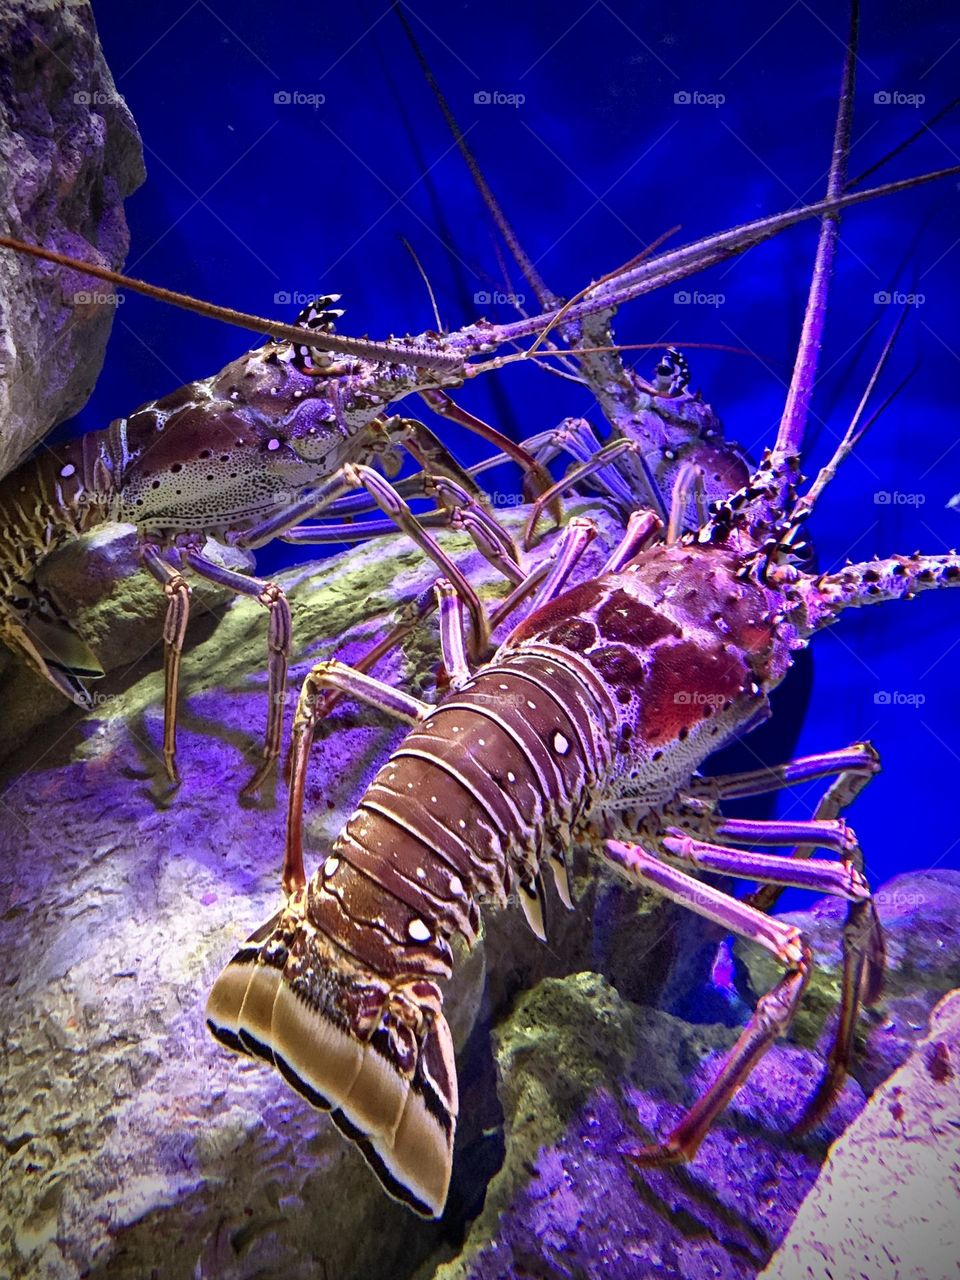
(471, 803)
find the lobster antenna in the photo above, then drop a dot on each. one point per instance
(797, 407)
(426, 280)
(362, 347)
(544, 295)
(925, 127)
(571, 303)
(626, 284)
(473, 340)
(854, 432)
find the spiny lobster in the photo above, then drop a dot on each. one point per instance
(286, 431)
(588, 726)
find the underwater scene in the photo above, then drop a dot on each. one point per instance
(479, 689)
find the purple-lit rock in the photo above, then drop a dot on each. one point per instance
(584, 1074)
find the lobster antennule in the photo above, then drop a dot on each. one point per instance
(280, 999)
(770, 492)
(852, 436)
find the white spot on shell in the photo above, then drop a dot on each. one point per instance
(330, 866)
(273, 444)
(418, 930)
(560, 744)
(456, 887)
(68, 470)
(511, 776)
(531, 705)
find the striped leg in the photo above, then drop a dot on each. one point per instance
(344, 679)
(643, 528)
(460, 510)
(580, 472)
(177, 590)
(774, 1010)
(862, 944)
(840, 879)
(278, 649)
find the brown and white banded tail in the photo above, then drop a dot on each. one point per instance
(402, 1115)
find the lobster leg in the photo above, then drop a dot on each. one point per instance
(643, 528)
(452, 649)
(862, 945)
(820, 875)
(460, 511)
(577, 439)
(827, 833)
(344, 679)
(774, 1010)
(574, 540)
(863, 949)
(688, 484)
(855, 764)
(606, 455)
(278, 648)
(177, 590)
(394, 506)
(536, 478)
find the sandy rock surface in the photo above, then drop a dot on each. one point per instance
(887, 1201)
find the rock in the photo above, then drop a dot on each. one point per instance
(885, 1203)
(580, 1071)
(69, 154)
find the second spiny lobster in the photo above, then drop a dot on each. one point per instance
(587, 727)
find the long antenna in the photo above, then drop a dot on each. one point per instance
(545, 296)
(797, 407)
(402, 353)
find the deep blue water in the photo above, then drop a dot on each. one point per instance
(247, 198)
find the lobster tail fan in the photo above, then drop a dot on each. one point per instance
(348, 1047)
(226, 1000)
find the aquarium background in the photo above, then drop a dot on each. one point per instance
(250, 198)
